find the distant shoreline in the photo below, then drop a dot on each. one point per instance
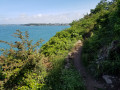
(46, 24)
(40, 24)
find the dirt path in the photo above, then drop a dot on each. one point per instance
(90, 82)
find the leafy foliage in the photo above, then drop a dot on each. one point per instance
(105, 31)
(24, 68)
(19, 60)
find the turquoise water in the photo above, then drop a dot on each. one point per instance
(35, 32)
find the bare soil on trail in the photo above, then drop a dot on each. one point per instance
(90, 82)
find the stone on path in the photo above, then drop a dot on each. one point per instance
(107, 79)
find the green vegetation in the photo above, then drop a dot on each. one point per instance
(101, 50)
(21, 65)
(25, 68)
(100, 30)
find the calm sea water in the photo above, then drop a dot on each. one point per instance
(35, 32)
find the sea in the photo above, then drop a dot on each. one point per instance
(44, 32)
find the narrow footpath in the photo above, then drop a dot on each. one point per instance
(90, 82)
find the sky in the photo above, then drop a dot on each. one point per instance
(44, 11)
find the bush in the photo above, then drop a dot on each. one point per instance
(19, 60)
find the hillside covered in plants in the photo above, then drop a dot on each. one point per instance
(26, 68)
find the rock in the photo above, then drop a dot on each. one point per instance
(105, 51)
(69, 54)
(67, 66)
(107, 79)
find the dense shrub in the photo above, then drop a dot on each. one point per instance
(19, 61)
(105, 31)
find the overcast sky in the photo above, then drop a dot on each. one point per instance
(44, 11)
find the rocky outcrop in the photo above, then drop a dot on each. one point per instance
(105, 51)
